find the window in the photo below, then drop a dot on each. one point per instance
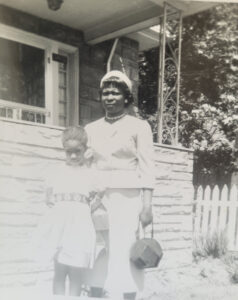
(63, 88)
(22, 81)
(35, 73)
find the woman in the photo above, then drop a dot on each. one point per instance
(122, 148)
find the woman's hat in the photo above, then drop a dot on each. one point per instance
(119, 75)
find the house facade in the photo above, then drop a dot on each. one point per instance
(55, 74)
(49, 78)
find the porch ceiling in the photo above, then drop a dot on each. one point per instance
(104, 19)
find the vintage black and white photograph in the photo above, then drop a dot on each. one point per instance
(118, 149)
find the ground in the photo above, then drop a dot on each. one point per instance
(207, 279)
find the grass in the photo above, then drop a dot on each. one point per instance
(212, 244)
(231, 262)
(215, 244)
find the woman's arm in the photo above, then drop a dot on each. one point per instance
(146, 215)
(145, 151)
(145, 155)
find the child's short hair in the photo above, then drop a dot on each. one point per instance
(75, 133)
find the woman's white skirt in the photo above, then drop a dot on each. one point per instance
(123, 206)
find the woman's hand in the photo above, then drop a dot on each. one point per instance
(89, 153)
(95, 200)
(95, 205)
(146, 216)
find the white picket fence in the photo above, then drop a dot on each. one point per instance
(216, 209)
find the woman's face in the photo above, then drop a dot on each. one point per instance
(113, 101)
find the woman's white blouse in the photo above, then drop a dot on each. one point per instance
(123, 151)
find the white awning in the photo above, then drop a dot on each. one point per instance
(101, 20)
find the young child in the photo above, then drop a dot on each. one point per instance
(67, 232)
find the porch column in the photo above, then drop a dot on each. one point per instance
(169, 75)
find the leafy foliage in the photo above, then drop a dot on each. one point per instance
(210, 132)
(209, 59)
(209, 94)
(148, 70)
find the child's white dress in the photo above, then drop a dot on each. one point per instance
(66, 232)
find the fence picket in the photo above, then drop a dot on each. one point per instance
(206, 208)
(232, 223)
(198, 213)
(218, 212)
(214, 209)
(223, 209)
(234, 194)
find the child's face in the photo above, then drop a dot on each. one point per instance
(74, 150)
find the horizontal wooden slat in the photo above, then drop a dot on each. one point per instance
(7, 232)
(21, 208)
(173, 236)
(23, 280)
(171, 210)
(31, 151)
(19, 220)
(32, 135)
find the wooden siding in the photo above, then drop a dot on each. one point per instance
(28, 151)
(172, 205)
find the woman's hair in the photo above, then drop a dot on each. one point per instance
(75, 133)
(120, 84)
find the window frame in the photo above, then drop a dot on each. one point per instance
(50, 46)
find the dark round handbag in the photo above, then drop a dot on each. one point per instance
(146, 252)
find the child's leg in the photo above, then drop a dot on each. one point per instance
(60, 274)
(75, 281)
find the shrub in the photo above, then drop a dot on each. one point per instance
(232, 266)
(212, 244)
(234, 274)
